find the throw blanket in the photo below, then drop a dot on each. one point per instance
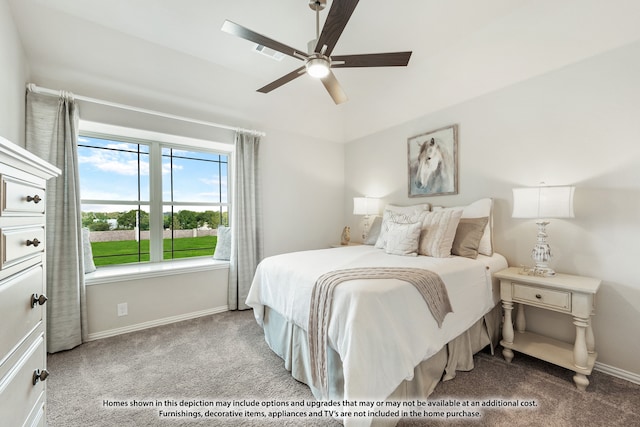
(428, 283)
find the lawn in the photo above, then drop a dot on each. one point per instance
(126, 251)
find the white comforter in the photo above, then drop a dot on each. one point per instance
(380, 328)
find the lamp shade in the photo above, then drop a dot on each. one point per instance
(543, 202)
(366, 206)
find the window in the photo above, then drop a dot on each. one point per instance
(150, 201)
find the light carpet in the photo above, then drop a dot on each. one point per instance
(223, 358)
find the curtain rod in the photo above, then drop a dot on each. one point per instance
(37, 89)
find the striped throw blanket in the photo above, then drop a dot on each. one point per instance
(428, 283)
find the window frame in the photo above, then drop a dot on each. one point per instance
(156, 142)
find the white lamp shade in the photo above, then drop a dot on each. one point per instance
(366, 206)
(543, 202)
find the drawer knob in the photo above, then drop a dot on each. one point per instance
(538, 296)
(35, 300)
(34, 199)
(39, 375)
(34, 242)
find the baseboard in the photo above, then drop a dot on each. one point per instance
(616, 372)
(154, 323)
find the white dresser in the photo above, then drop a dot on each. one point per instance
(23, 355)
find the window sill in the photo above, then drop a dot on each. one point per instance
(125, 273)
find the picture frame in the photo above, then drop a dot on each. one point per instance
(433, 162)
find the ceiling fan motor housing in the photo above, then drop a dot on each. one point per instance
(317, 4)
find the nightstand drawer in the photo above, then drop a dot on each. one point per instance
(542, 297)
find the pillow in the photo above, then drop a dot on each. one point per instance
(468, 235)
(402, 239)
(480, 209)
(87, 252)
(223, 247)
(438, 232)
(374, 231)
(399, 214)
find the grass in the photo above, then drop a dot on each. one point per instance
(127, 251)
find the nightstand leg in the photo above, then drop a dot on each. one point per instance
(521, 321)
(591, 341)
(507, 330)
(580, 354)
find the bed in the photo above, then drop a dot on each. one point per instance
(382, 342)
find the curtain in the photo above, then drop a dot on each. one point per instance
(51, 134)
(246, 219)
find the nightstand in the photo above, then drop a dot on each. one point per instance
(338, 245)
(563, 293)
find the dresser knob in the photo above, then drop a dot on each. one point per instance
(34, 199)
(39, 375)
(35, 300)
(538, 296)
(34, 242)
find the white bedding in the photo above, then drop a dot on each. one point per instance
(380, 328)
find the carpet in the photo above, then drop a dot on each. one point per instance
(220, 366)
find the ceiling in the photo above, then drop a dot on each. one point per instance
(170, 55)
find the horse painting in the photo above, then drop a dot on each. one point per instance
(432, 166)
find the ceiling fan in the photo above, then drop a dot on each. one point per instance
(319, 61)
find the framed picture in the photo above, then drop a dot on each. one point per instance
(433, 162)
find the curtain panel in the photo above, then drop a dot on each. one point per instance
(51, 134)
(246, 219)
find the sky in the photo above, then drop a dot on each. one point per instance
(109, 171)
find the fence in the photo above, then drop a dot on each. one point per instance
(115, 235)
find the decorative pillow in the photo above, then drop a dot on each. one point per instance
(402, 215)
(402, 239)
(374, 231)
(223, 247)
(87, 252)
(438, 232)
(468, 235)
(479, 209)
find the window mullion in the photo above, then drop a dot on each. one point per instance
(156, 220)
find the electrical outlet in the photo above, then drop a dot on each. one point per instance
(123, 309)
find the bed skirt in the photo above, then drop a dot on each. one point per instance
(289, 341)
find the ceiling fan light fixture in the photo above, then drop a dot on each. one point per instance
(318, 67)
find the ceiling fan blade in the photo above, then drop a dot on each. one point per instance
(282, 80)
(393, 59)
(333, 87)
(337, 19)
(245, 33)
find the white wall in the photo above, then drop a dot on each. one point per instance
(578, 125)
(303, 192)
(13, 78)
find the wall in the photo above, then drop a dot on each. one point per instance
(577, 125)
(13, 78)
(154, 301)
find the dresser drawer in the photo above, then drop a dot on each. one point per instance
(19, 243)
(547, 298)
(18, 317)
(18, 394)
(21, 197)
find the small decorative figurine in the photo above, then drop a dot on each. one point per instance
(346, 236)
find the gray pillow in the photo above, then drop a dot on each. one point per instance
(223, 247)
(468, 235)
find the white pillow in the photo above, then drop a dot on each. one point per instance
(87, 252)
(402, 239)
(399, 214)
(479, 209)
(223, 246)
(438, 231)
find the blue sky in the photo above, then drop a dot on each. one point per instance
(113, 174)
